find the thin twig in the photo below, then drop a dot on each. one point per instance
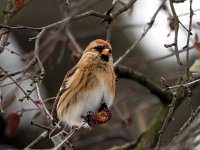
(183, 85)
(91, 13)
(188, 122)
(164, 57)
(50, 98)
(40, 126)
(68, 136)
(9, 14)
(108, 32)
(176, 24)
(114, 3)
(123, 9)
(23, 70)
(20, 79)
(188, 41)
(23, 110)
(189, 95)
(36, 51)
(148, 26)
(7, 18)
(1, 98)
(181, 15)
(185, 27)
(74, 42)
(166, 122)
(13, 52)
(27, 95)
(42, 136)
(42, 103)
(21, 27)
(187, 72)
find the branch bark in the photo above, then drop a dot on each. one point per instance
(150, 137)
(128, 73)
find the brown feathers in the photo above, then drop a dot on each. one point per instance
(86, 86)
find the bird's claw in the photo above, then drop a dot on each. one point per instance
(88, 118)
(89, 113)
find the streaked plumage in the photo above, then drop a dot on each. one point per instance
(86, 86)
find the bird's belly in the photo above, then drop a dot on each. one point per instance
(93, 99)
(88, 101)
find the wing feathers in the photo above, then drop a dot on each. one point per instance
(60, 93)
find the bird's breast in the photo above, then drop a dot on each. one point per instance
(92, 99)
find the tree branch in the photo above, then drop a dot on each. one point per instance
(148, 27)
(176, 24)
(128, 73)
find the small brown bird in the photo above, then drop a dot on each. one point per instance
(87, 90)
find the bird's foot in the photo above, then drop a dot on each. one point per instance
(88, 118)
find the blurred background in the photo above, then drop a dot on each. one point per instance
(134, 105)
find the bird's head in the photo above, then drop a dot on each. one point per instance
(100, 48)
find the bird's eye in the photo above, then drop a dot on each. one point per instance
(110, 51)
(99, 48)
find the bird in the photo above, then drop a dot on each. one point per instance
(88, 90)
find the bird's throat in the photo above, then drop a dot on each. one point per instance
(105, 57)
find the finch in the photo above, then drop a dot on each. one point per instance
(88, 89)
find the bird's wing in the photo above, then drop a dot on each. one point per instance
(60, 92)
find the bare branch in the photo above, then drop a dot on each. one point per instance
(74, 42)
(187, 123)
(128, 73)
(188, 41)
(42, 103)
(183, 85)
(147, 28)
(7, 18)
(42, 136)
(123, 9)
(164, 57)
(23, 70)
(68, 136)
(19, 27)
(176, 24)
(166, 122)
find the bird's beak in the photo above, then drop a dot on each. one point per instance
(105, 52)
